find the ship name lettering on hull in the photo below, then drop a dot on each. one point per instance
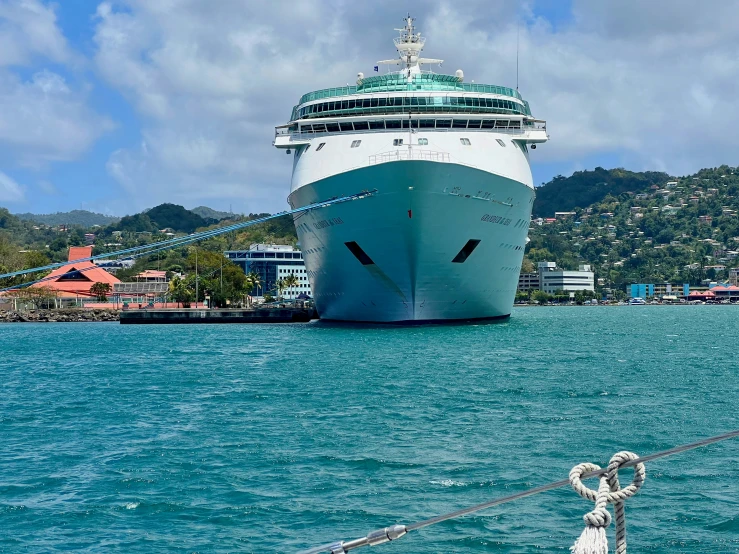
(328, 223)
(500, 220)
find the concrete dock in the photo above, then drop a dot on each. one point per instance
(255, 315)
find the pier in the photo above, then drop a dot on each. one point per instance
(255, 315)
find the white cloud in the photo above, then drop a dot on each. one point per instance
(43, 120)
(10, 191)
(653, 85)
(42, 117)
(28, 28)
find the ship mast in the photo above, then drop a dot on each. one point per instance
(409, 46)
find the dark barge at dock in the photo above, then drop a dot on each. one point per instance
(189, 315)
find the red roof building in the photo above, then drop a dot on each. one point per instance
(76, 278)
(152, 276)
(705, 295)
(726, 291)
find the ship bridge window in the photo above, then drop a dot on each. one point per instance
(488, 123)
(465, 141)
(346, 126)
(356, 143)
(397, 142)
(392, 124)
(377, 124)
(332, 127)
(427, 124)
(500, 142)
(443, 123)
(460, 124)
(423, 141)
(320, 146)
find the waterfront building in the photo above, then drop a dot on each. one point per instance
(658, 290)
(725, 292)
(447, 161)
(528, 281)
(73, 280)
(272, 262)
(555, 279)
(550, 279)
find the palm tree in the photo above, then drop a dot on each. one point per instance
(280, 284)
(290, 281)
(255, 281)
(179, 290)
(100, 291)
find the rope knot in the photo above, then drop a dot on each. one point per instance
(600, 517)
(593, 539)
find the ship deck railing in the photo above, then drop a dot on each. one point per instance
(308, 135)
(409, 154)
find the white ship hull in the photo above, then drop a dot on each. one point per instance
(389, 257)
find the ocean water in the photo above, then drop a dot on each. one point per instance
(257, 438)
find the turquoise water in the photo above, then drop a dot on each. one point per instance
(276, 438)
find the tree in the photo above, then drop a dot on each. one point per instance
(280, 284)
(540, 296)
(254, 281)
(179, 291)
(38, 297)
(224, 280)
(290, 281)
(100, 291)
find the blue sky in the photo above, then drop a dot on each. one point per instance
(119, 105)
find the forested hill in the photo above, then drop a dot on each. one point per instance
(83, 218)
(583, 188)
(685, 231)
(209, 213)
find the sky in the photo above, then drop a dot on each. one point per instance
(118, 105)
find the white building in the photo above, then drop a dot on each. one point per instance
(272, 262)
(550, 279)
(554, 279)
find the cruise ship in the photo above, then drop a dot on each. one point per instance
(442, 237)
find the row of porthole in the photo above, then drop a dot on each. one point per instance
(334, 294)
(510, 246)
(399, 142)
(522, 223)
(511, 268)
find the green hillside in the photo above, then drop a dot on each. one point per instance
(209, 213)
(583, 188)
(83, 218)
(684, 230)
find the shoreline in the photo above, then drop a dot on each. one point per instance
(59, 316)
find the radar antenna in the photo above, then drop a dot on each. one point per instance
(409, 46)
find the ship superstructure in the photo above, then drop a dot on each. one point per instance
(444, 235)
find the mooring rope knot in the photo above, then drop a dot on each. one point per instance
(593, 539)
